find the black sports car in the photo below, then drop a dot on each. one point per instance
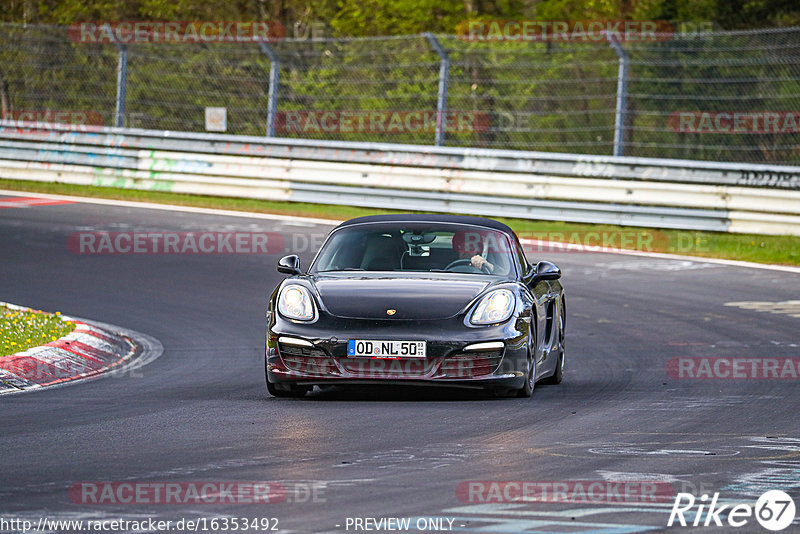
(416, 299)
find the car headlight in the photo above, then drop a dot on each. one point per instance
(294, 302)
(495, 307)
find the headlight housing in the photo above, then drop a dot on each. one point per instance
(495, 307)
(295, 302)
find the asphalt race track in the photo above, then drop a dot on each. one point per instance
(201, 413)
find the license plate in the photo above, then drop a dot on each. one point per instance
(385, 349)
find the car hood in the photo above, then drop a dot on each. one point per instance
(421, 297)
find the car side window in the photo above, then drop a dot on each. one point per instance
(523, 261)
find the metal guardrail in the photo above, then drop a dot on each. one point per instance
(599, 189)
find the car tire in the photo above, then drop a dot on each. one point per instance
(530, 380)
(558, 374)
(286, 390)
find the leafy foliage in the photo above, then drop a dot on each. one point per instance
(351, 18)
(549, 96)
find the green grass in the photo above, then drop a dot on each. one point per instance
(21, 330)
(746, 247)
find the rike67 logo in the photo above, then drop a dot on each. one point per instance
(774, 510)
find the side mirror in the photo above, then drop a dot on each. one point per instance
(289, 265)
(545, 271)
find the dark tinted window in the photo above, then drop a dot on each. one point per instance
(416, 247)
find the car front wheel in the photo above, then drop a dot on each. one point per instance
(530, 379)
(558, 374)
(286, 390)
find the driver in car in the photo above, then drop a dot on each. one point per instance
(468, 245)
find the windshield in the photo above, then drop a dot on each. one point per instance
(417, 247)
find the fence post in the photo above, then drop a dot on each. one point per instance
(5, 98)
(122, 82)
(622, 96)
(274, 78)
(444, 76)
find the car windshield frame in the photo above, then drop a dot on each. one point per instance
(513, 272)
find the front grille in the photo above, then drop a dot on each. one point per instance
(471, 364)
(307, 360)
(380, 368)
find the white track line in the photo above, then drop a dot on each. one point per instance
(312, 220)
(555, 245)
(169, 207)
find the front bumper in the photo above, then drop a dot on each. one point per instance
(311, 354)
